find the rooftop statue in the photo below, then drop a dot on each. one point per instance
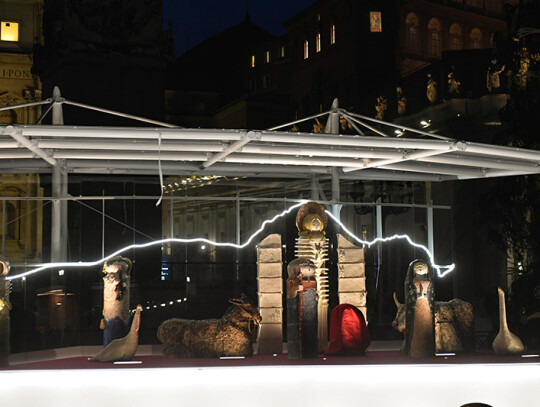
(431, 91)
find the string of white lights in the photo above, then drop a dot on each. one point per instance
(447, 269)
(153, 243)
(438, 268)
(162, 304)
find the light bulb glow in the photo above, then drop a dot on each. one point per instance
(442, 270)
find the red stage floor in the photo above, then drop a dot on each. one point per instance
(371, 358)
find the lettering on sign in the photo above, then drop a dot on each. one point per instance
(15, 73)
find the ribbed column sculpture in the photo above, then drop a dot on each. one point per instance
(312, 244)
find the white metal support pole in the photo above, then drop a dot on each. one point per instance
(336, 208)
(332, 126)
(58, 233)
(171, 220)
(314, 188)
(237, 219)
(57, 114)
(171, 228)
(378, 279)
(430, 228)
(63, 211)
(56, 214)
(378, 218)
(237, 269)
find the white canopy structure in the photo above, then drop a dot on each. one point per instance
(276, 153)
(375, 151)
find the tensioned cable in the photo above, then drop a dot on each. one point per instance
(116, 220)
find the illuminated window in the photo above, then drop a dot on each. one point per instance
(434, 37)
(306, 49)
(332, 33)
(9, 31)
(282, 51)
(318, 42)
(456, 37)
(412, 32)
(252, 61)
(476, 38)
(375, 21)
(267, 57)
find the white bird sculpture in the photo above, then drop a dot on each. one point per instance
(123, 348)
(505, 343)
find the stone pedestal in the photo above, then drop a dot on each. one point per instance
(270, 290)
(351, 275)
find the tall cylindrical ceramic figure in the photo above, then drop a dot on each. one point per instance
(115, 299)
(419, 300)
(302, 338)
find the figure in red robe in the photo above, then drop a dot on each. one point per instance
(348, 331)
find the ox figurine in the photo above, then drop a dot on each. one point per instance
(453, 325)
(232, 335)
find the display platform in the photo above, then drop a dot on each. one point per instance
(381, 378)
(385, 357)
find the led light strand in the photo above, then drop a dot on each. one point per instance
(447, 268)
(156, 242)
(161, 304)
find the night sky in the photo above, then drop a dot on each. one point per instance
(195, 20)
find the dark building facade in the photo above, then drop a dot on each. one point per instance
(350, 50)
(106, 54)
(357, 51)
(212, 86)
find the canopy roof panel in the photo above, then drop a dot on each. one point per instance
(272, 153)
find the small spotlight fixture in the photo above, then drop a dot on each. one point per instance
(425, 123)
